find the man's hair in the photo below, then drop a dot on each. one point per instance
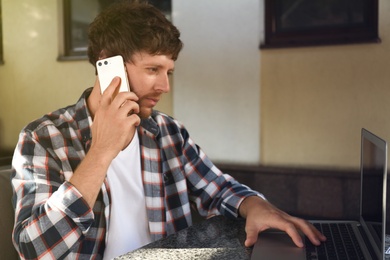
(128, 27)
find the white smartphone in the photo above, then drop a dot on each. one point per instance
(108, 69)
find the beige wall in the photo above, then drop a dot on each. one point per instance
(32, 81)
(313, 100)
(218, 77)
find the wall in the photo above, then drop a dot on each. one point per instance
(32, 81)
(217, 77)
(314, 101)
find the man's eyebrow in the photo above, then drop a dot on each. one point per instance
(159, 65)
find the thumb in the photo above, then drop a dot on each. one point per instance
(251, 236)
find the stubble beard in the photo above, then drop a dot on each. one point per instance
(145, 113)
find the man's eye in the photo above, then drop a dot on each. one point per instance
(153, 69)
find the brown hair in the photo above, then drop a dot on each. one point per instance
(129, 27)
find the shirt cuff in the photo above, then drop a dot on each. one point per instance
(68, 200)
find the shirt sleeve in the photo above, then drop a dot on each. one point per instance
(214, 192)
(50, 214)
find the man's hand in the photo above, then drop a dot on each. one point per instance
(261, 215)
(114, 125)
(115, 121)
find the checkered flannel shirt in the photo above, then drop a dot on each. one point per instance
(52, 219)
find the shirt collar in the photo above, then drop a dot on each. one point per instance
(84, 119)
(150, 124)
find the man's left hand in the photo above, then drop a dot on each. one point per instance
(261, 215)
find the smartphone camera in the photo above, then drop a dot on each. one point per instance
(99, 63)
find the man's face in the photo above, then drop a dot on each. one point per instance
(149, 78)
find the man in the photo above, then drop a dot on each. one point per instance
(109, 174)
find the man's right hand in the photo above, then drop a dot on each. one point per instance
(115, 121)
(114, 125)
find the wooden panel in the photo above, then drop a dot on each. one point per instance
(308, 193)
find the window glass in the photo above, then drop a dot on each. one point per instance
(79, 14)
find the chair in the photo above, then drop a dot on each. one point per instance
(6, 217)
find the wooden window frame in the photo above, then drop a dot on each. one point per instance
(70, 52)
(312, 35)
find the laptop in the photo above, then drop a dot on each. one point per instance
(368, 232)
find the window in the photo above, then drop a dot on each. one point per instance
(77, 16)
(290, 23)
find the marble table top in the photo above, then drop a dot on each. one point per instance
(215, 238)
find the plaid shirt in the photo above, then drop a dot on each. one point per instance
(53, 221)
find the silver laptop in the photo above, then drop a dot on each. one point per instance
(360, 239)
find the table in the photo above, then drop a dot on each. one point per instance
(214, 238)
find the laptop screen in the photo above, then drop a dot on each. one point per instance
(373, 192)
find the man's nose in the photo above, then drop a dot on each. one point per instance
(163, 84)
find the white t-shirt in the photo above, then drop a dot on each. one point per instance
(128, 226)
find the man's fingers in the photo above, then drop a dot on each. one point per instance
(123, 98)
(291, 226)
(109, 92)
(261, 215)
(129, 107)
(111, 96)
(251, 236)
(295, 236)
(314, 235)
(135, 119)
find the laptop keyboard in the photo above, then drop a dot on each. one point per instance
(341, 243)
